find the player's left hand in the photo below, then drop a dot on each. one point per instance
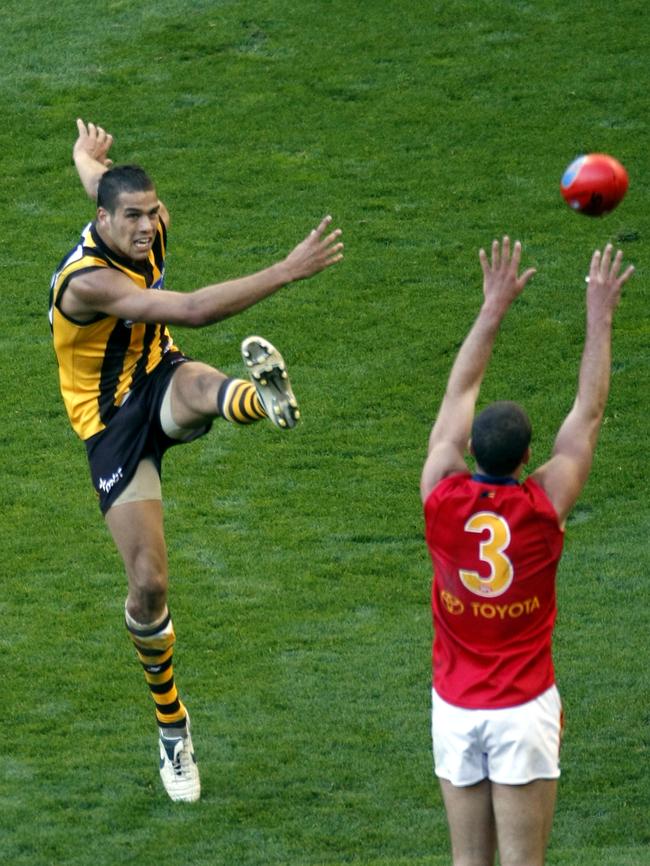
(317, 252)
(92, 141)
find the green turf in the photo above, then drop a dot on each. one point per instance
(300, 581)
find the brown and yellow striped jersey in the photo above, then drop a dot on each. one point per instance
(103, 360)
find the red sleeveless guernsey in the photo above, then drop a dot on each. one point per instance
(495, 549)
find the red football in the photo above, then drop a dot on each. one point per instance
(594, 184)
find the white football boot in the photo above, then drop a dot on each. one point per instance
(178, 769)
(268, 373)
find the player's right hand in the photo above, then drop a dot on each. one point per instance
(92, 141)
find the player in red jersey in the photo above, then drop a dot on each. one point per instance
(495, 544)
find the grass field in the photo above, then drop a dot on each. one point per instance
(300, 580)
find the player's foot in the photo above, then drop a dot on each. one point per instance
(268, 373)
(178, 769)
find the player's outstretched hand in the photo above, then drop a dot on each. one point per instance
(605, 279)
(317, 252)
(501, 280)
(92, 141)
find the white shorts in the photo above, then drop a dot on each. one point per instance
(511, 746)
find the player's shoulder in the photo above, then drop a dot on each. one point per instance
(539, 497)
(79, 263)
(449, 484)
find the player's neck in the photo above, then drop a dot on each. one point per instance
(486, 478)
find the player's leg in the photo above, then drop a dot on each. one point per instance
(191, 399)
(523, 744)
(137, 529)
(198, 393)
(524, 817)
(461, 768)
(471, 823)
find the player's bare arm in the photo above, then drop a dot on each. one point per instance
(112, 293)
(565, 474)
(90, 156)
(449, 437)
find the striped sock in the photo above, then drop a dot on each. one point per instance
(237, 401)
(154, 645)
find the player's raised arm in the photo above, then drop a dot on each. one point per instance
(565, 474)
(449, 437)
(90, 155)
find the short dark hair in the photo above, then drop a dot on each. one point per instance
(119, 179)
(501, 434)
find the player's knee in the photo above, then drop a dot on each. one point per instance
(194, 398)
(146, 604)
(206, 385)
(195, 379)
(147, 592)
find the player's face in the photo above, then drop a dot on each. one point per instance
(130, 230)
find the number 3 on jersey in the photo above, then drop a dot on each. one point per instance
(491, 551)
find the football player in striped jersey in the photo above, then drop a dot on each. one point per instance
(131, 394)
